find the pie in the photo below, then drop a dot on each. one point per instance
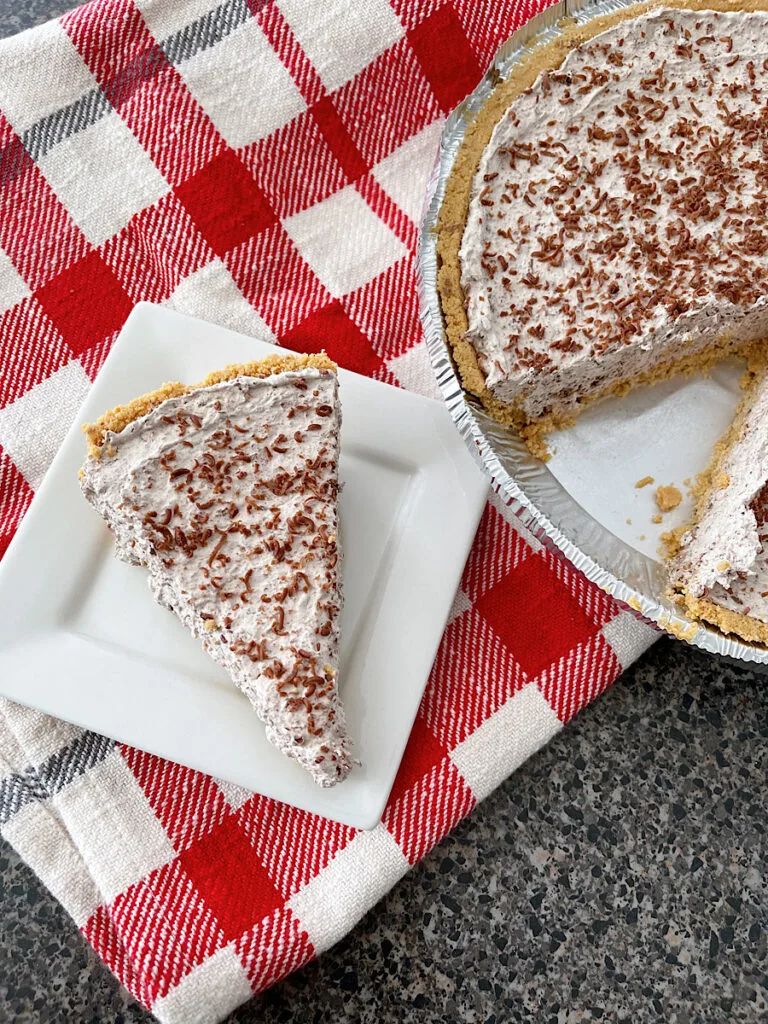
(606, 225)
(227, 492)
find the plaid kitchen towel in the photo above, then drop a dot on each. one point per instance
(261, 165)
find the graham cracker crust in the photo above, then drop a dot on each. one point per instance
(117, 419)
(453, 214)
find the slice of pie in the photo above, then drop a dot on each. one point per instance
(227, 492)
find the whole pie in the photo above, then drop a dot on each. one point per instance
(227, 492)
(606, 225)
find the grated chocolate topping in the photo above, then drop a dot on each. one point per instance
(621, 206)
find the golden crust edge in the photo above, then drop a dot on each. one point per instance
(454, 210)
(727, 622)
(117, 419)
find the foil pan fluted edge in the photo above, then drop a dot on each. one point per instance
(524, 482)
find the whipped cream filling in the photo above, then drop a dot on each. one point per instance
(228, 495)
(725, 557)
(618, 216)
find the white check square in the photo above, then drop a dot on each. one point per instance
(33, 427)
(13, 287)
(628, 636)
(341, 38)
(42, 736)
(414, 371)
(236, 796)
(404, 173)
(211, 294)
(344, 241)
(39, 836)
(500, 745)
(41, 73)
(101, 810)
(374, 859)
(243, 86)
(103, 176)
(190, 1000)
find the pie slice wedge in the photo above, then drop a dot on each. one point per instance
(227, 492)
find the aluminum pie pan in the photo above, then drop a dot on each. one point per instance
(525, 483)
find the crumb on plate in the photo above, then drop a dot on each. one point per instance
(668, 497)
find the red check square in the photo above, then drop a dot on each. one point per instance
(260, 268)
(86, 302)
(226, 203)
(425, 812)
(230, 878)
(316, 841)
(294, 166)
(422, 754)
(329, 329)
(100, 930)
(157, 249)
(163, 926)
(187, 803)
(273, 948)
(445, 55)
(338, 138)
(497, 550)
(535, 615)
(386, 309)
(411, 14)
(19, 373)
(486, 23)
(474, 674)
(579, 676)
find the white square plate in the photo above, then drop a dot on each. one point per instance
(81, 637)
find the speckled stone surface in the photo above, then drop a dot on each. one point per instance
(17, 15)
(618, 876)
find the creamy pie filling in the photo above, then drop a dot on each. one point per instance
(618, 217)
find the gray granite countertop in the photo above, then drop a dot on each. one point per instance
(618, 876)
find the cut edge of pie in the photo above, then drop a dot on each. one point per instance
(454, 211)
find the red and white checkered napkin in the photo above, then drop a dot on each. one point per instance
(261, 165)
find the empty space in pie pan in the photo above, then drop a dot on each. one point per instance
(584, 501)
